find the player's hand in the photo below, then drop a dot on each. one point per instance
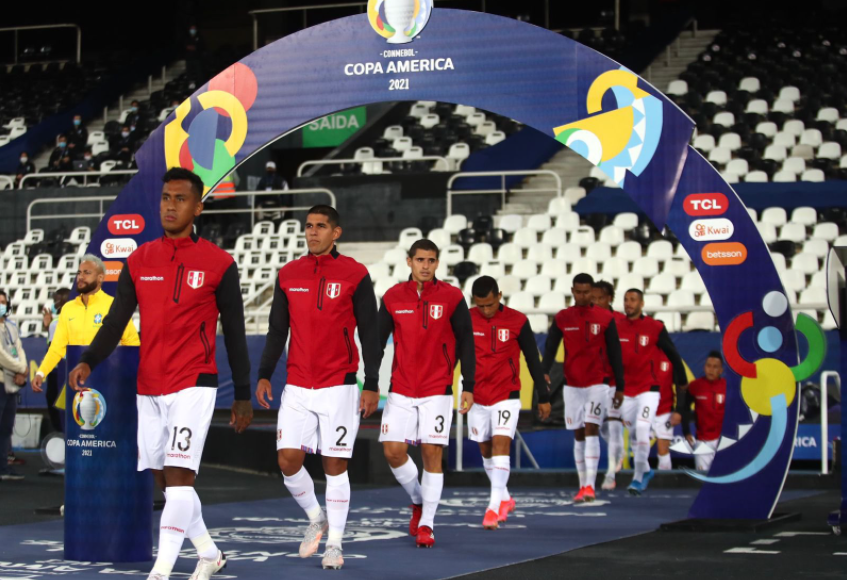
(46, 318)
(263, 393)
(676, 419)
(242, 415)
(547, 378)
(544, 411)
(618, 400)
(368, 403)
(690, 439)
(20, 379)
(36, 383)
(78, 376)
(466, 403)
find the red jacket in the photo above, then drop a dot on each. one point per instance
(322, 299)
(590, 340)
(498, 343)
(640, 339)
(709, 398)
(431, 333)
(180, 285)
(664, 377)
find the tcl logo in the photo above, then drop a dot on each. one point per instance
(113, 270)
(126, 224)
(698, 204)
(118, 248)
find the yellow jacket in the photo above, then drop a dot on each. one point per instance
(78, 325)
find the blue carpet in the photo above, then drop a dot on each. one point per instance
(261, 536)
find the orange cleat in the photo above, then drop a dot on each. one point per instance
(588, 495)
(580, 496)
(489, 522)
(506, 507)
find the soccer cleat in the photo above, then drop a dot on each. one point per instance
(646, 479)
(12, 476)
(489, 522)
(580, 496)
(425, 537)
(333, 558)
(312, 538)
(506, 507)
(208, 566)
(608, 483)
(588, 495)
(635, 488)
(417, 510)
(156, 576)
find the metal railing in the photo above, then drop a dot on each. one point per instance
(825, 418)
(17, 29)
(253, 194)
(503, 190)
(100, 199)
(6, 182)
(322, 162)
(73, 174)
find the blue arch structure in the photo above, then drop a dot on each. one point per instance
(568, 91)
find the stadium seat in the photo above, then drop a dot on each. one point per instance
(716, 97)
(783, 106)
(568, 252)
(493, 268)
(811, 137)
(775, 216)
(756, 177)
(680, 298)
(495, 137)
(539, 222)
(775, 152)
(392, 132)
(826, 231)
(568, 221)
(704, 142)
(525, 269)
(455, 223)
(558, 206)
(663, 283)
(574, 194)
(784, 177)
(790, 93)
(699, 321)
(583, 236)
(525, 238)
(793, 232)
(539, 323)
(584, 266)
(626, 220)
(829, 150)
(554, 236)
(614, 268)
(629, 251)
(511, 223)
(509, 285)
(480, 253)
(813, 295)
(554, 268)
(661, 250)
(552, 302)
(828, 114)
(724, 118)
(758, 106)
(510, 254)
(693, 282)
(677, 87)
(738, 167)
(795, 165)
(522, 302)
(793, 280)
(813, 175)
(805, 262)
(439, 236)
(749, 84)
(628, 281)
(599, 251)
(564, 284)
(672, 320)
(383, 285)
(612, 235)
(458, 153)
(816, 247)
(720, 155)
(539, 253)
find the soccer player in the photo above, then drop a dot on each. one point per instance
(321, 298)
(662, 426)
(640, 337)
(602, 295)
(180, 283)
(591, 344)
(708, 394)
(432, 331)
(500, 335)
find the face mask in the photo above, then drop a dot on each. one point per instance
(87, 157)
(53, 309)
(2, 310)
(24, 159)
(62, 145)
(131, 129)
(124, 133)
(77, 122)
(133, 109)
(192, 32)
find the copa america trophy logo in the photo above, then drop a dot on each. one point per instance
(89, 409)
(399, 21)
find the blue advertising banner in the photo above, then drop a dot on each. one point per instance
(100, 466)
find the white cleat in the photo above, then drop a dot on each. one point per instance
(608, 483)
(156, 576)
(333, 559)
(312, 539)
(208, 566)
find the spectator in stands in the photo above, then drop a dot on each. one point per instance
(25, 167)
(49, 323)
(123, 145)
(708, 396)
(77, 137)
(87, 161)
(13, 367)
(273, 181)
(132, 117)
(60, 151)
(194, 49)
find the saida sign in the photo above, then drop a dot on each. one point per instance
(335, 129)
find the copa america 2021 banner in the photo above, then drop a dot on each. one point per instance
(407, 50)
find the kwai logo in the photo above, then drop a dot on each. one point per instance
(118, 247)
(710, 230)
(399, 21)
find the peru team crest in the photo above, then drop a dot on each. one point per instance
(595, 329)
(643, 340)
(503, 334)
(333, 290)
(195, 279)
(436, 311)
(664, 366)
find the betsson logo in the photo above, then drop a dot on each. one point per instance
(705, 204)
(126, 224)
(118, 247)
(708, 230)
(726, 254)
(113, 270)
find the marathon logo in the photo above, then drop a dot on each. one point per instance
(479, 334)
(152, 278)
(404, 312)
(298, 289)
(570, 328)
(178, 456)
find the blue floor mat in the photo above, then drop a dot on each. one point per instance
(261, 538)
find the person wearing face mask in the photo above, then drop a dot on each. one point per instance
(49, 324)
(194, 49)
(13, 367)
(273, 181)
(60, 151)
(123, 145)
(77, 136)
(132, 117)
(25, 167)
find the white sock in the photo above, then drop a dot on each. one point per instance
(592, 459)
(579, 457)
(604, 430)
(176, 517)
(488, 464)
(431, 486)
(302, 489)
(665, 462)
(499, 478)
(407, 476)
(337, 506)
(198, 534)
(615, 446)
(642, 449)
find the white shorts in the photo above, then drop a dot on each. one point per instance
(639, 408)
(172, 428)
(611, 412)
(662, 427)
(324, 421)
(585, 405)
(484, 422)
(704, 462)
(417, 420)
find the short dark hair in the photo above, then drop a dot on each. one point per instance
(637, 291)
(8, 302)
(715, 354)
(182, 174)
(328, 211)
(66, 292)
(583, 279)
(426, 246)
(606, 287)
(485, 285)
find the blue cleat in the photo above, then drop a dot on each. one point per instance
(646, 479)
(639, 487)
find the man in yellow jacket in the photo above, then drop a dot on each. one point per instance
(81, 318)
